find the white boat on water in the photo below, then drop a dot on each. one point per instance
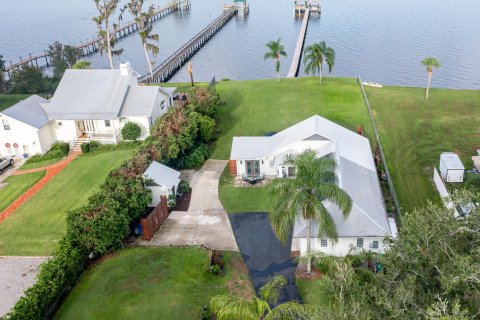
(372, 84)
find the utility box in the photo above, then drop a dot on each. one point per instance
(451, 167)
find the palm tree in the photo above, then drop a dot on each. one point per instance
(144, 22)
(429, 63)
(276, 51)
(304, 196)
(314, 57)
(227, 307)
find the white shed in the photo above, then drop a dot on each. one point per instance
(162, 180)
(451, 167)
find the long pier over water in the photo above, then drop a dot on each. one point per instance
(172, 64)
(293, 72)
(91, 46)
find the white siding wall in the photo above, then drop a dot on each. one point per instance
(158, 191)
(342, 247)
(21, 134)
(67, 132)
(46, 138)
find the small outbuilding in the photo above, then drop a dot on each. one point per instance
(162, 180)
(451, 167)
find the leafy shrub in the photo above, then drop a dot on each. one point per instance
(85, 147)
(206, 313)
(195, 158)
(122, 145)
(206, 101)
(215, 269)
(131, 131)
(94, 145)
(58, 151)
(183, 187)
(172, 201)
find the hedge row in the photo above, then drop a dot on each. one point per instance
(102, 225)
(57, 151)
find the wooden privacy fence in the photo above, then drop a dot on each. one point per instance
(155, 219)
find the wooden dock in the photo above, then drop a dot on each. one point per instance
(172, 64)
(293, 72)
(90, 47)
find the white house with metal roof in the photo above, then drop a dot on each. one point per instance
(88, 105)
(162, 181)
(368, 223)
(24, 128)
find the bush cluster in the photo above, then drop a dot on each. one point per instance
(102, 224)
(94, 147)
(131, 131)
(57, 151)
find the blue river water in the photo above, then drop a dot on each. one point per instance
(380, 40)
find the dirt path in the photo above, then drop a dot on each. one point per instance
(51, 172)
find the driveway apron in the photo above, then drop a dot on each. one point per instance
(263, 254)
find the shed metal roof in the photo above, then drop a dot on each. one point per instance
(29, 111)
(452, 161)
(162, 175)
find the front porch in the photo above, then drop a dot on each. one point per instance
(103, 131)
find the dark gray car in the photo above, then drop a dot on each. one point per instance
(5, 162)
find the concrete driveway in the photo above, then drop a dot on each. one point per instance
(16, 275)
(206, 222)
(18, 162)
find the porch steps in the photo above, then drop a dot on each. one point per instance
(77, 146)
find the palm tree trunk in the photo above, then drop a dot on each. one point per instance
(321, 68)
(428, 84)
(148, 60)
(278, 70)
(309, 242)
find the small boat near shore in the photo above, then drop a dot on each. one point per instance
(372, 84)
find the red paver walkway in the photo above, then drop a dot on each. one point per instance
(50, 166)
(52, 171)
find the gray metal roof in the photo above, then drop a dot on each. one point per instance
(350, 145)
(90, 94)
(29, 111)
(452, 161)
(162, 175)
(139, 101)
(368, 216)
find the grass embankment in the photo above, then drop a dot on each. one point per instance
(16, 186)
(160, 283)
(8, 100)
(254, 108)
(38, 224)
(39, 164)
(414, 131)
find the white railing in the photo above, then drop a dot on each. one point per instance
(442, 190)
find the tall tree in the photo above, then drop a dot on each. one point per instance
(82, 64)
(144, 20)
(303, 197)
(275, 51)
(62, 57)
(3, 83)
(429, 63)
(317, 54)
(227, 307)
(28, 79)
(106, 8)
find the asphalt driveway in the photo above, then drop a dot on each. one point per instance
(263, 254)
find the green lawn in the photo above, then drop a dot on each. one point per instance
(36, 226)
(153, 283)
(8, 100)
(313, 293)
(254, 108)
(414, 131)
(260, 106)
(242, 199)
(16, 185)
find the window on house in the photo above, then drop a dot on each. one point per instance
(360, 242)
(323, 242)
(375, 245)
(6, 125)
(107, 123)
(60, 123)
